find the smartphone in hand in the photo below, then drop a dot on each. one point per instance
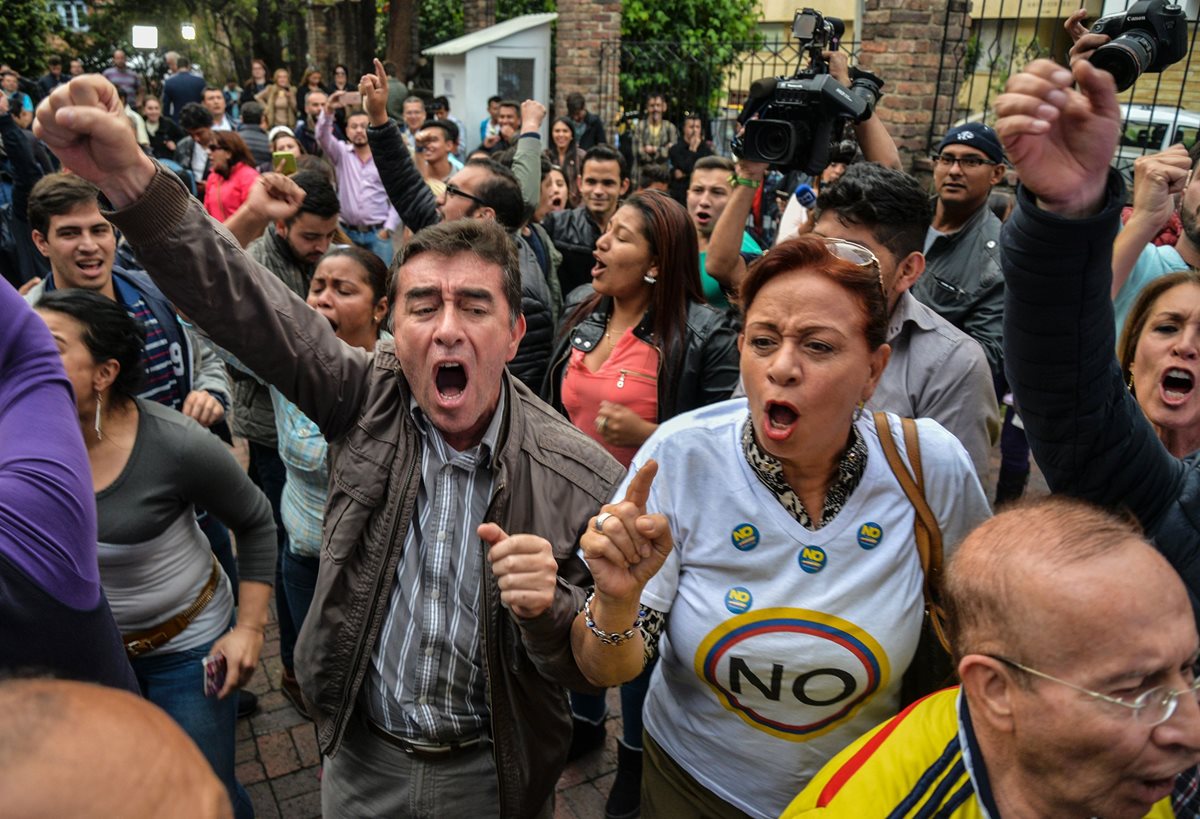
(215, 667)
(351, 98)
(287, 158)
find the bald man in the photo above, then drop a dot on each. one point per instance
(85, 751)
(1077, 650)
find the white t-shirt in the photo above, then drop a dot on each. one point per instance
(784, 645)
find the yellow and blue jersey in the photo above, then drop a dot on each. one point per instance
(924, 762)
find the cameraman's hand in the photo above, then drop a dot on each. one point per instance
(1060, 140)
(839, 66)
(751, 170)
(1085, 42)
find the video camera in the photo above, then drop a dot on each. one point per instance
(792, 122)
(1148, 36)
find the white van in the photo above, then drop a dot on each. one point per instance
(1148, 129)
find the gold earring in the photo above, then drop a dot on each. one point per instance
(99, 434)
(858, 411)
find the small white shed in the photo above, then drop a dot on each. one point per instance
(511, 59)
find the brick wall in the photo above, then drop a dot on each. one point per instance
(478, 14)
(902, 43)
(583, 27)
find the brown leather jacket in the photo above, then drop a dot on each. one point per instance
(550, 479)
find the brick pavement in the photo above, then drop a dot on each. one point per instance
(277, 757)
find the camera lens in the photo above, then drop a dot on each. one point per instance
(769, 141)
(1126, 57)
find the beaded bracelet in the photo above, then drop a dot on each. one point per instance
(610, 639)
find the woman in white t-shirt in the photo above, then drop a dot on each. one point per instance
(771, 563)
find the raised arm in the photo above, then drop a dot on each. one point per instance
(724, 260)
(47, 507)
(406, 187)
(198, 265)
(1087, 432)
(1156, 180)
(527, 158)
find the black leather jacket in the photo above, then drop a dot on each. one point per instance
(574, 232)
(699, 369)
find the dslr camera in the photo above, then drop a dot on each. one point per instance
(1149, 36)
(793, 122)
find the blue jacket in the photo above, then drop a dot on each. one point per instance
(1087, 432)
(180, 89)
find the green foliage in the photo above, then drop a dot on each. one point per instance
(24, 33)
(683, 49)
(441, 20)
(971, 56)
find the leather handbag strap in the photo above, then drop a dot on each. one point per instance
(926, 530)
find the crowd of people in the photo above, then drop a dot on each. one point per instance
(529, 414)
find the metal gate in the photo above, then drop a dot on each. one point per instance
(1004, 35)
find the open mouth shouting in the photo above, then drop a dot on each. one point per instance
(779, 420)
(1176, 386)
(599, 268)
(450, 379)
(703, 218)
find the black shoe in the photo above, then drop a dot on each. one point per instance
(625, 798)
(247, 703)
(1010, 486)
(586, 738)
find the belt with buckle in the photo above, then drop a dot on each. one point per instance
(418, 748)
(138, 643)
(363, 228)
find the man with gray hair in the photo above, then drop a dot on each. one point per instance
(1077, 650)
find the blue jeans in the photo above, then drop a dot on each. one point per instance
(175, 683)
(370, 240)
(268, 473)
(299, 583)
(592, 708)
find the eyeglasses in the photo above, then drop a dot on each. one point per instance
(968, 163)
(1152, 707)
(454, 190)
(858, 255)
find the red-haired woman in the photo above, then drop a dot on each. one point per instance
(638, 346)
(233, 172)
(782, 590)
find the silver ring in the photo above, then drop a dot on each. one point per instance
(598, 523)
